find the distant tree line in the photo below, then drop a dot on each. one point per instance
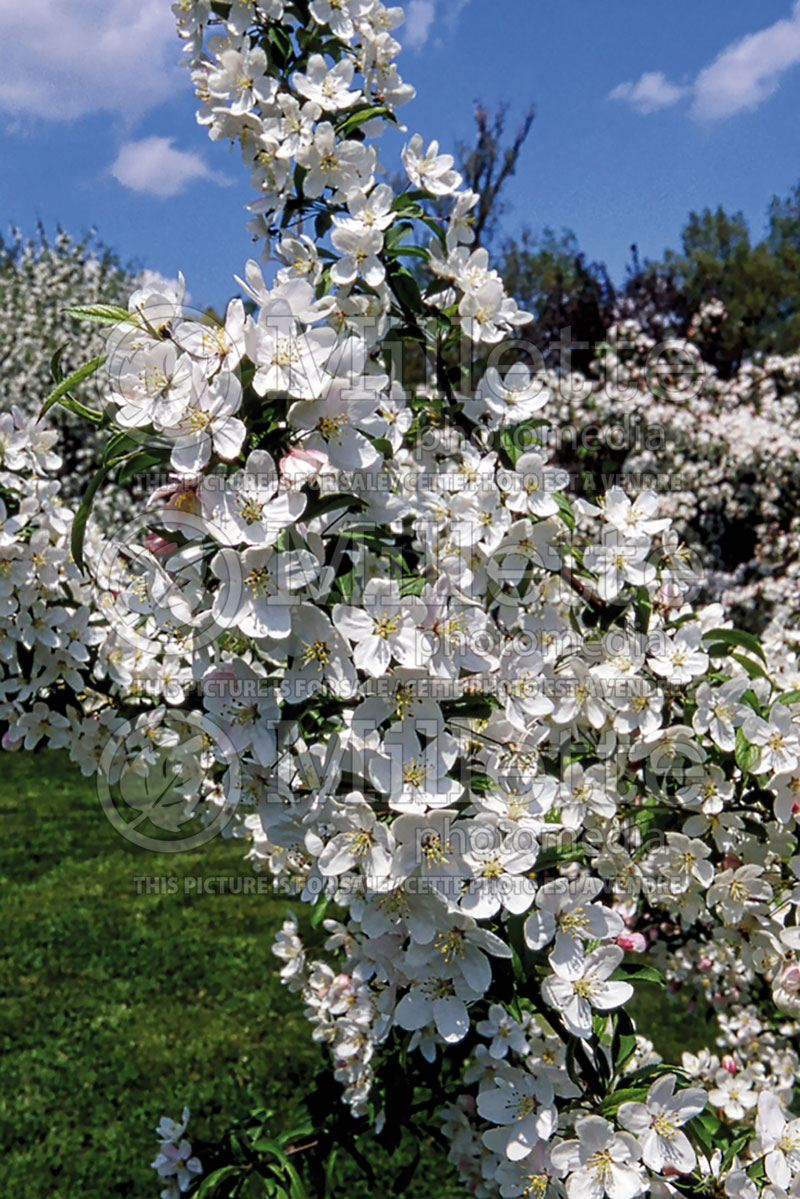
(720, 258)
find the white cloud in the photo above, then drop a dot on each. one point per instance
(650, 93)
(154, 167)
(741, 77)
(426, 16)
(749, 71)
(63, 59)
(453, 10)
(419, 19)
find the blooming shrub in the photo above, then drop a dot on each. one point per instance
(39, 280)
(494, 737)
(724, 454)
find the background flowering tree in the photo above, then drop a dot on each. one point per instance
(40, 278)
(497, 738)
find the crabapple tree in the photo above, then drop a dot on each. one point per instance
(493, 736)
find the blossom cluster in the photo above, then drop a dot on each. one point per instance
(724, 454)
(175, 1161)
(40, 279)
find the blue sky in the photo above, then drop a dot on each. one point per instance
(644, 111)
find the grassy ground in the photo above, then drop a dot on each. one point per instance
(118, 1006)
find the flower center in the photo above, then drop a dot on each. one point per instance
(250, 510)
(450, 944)
(413, 773)
(359, 842)
(260, 582)
(316, 652)
(664, 1125)
(384, 626)
(330, 427)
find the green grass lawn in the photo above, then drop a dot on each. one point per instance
(117, 1007)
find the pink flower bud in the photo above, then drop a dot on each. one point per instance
(730, 861)
(634, 942)
(11, 743)
(300, 465)
(157, 545)
(789, 979)
(179, 492)
(467, 1103)
(729, 1063)
(670, 595)
(704, 964)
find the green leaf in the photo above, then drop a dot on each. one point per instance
(746, 755)
(412, 585)
(565, 510)
(734, 638)
(704, 1129)
(407, 199)
(82, 514)
(437, 228)
(478, 707)
(600, 1025)
(509, 444)
(518, 440)
(436, 286)
(633, 972)
(66, 385)
(626, 1095)
(318, 913)
(734, 1149)
(753, 669)
(73, 405)
(558, 855)
(516, 965)
(118, 447)
(281, 51)
(56, 373)
(408, 206)
(345, 584)
(757, 1172)
(399, 231)
(354, 120)
(709, 1121)
(322, 223)
(331, 503)
(411, 252)
(106, 314)
(623, 1044)
(210, 1185)
(406, 289)
(140, 464)
(267, 1145)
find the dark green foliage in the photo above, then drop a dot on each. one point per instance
(120, 1007)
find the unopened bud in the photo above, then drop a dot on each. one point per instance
(634, 942)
